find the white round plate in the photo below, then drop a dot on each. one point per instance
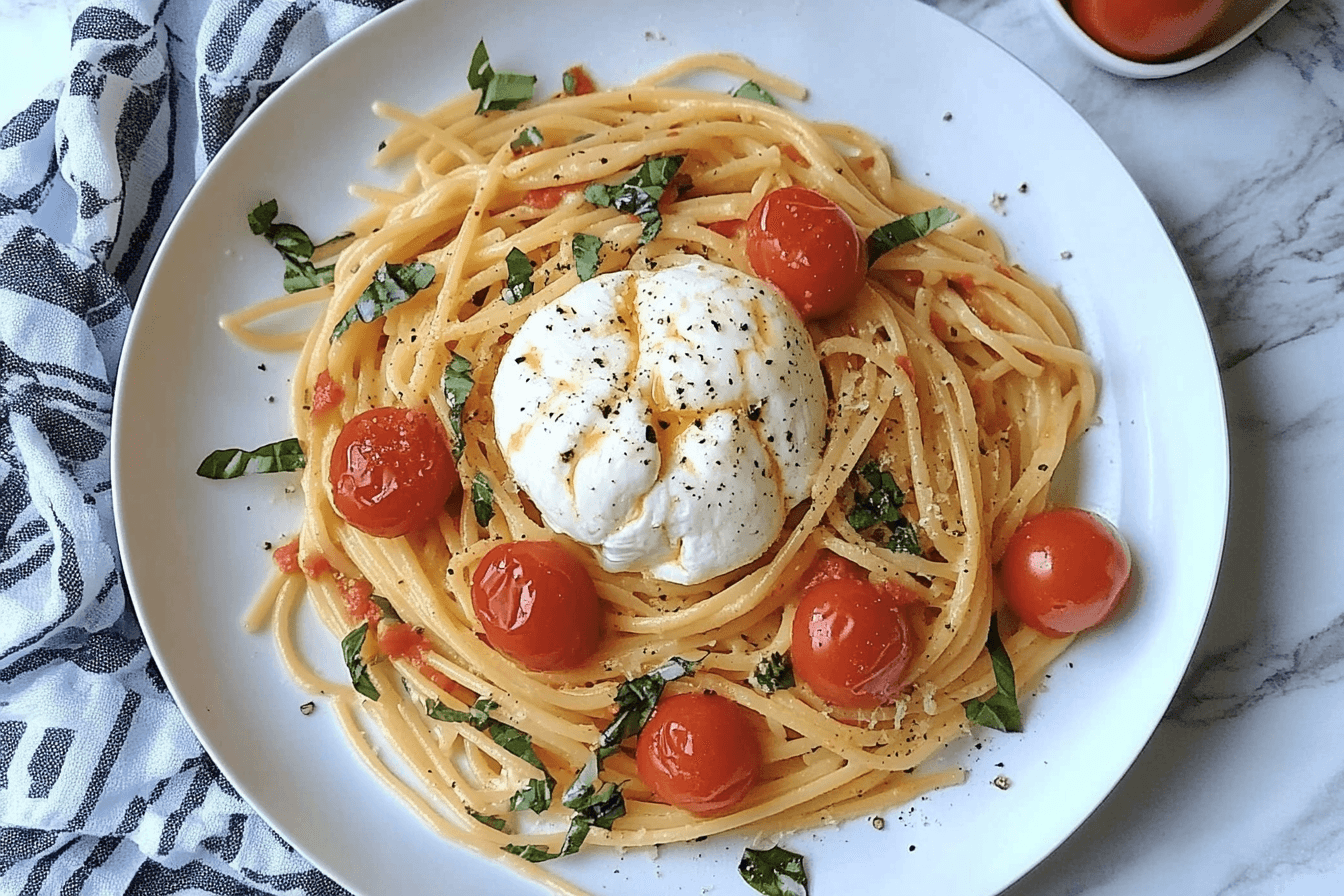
(962, 117)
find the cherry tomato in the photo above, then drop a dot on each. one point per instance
(391, 471)
(851, 641)
(699, 752)
(537, 604)
(1148, 30)
(807, 246)
(1064, 571)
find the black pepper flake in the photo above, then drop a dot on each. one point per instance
(650, 435)
(308, 708)
(261, 367)
(566, 456)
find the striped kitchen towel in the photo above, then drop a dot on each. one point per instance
(103, 787)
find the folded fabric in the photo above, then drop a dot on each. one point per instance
(103, 787)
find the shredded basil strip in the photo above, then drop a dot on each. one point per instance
(482, 499)
(773, 673)
(1001, 710)
(881, 503)
(519, 284)
(753, 91)
(294, 246)
(385, 605)
(352, 647)
(537, 794)
(499, 90)
(493, 821)
(528, 138)
(392, 285)
(457, 383)
(903, 230)
(904, 539)
(284, 456)
(639, 194)
(587, 255)
(774, 872)
(635, 702)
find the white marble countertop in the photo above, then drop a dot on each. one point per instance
(1241, 790)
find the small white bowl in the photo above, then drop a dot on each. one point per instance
(1104, 58)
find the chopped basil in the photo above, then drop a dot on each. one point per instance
(639, 194)
(903, 230)
(493, 821)
(578, 830)
(587, 255)
(482, 499)
(392, 285)
(774, 872)
(499, 90)
(529, 137)
(457, 383)
(773, 673)
(519, 285)
(904, 539)
(294, 246)
(753, 91)
(537, 794)
(635, 702)
(284, 456)
(352, 648)
(1000, 710)
(881, 503)
(385, 605)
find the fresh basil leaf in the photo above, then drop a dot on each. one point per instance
(773, 673)
(482, 499)
(389, 612)
(519, 285)
(529, 137)
(392, 285)
(294, 246)
(477, 717)
(569, 82)
(753, 91)
(602, 808)
(903, 230)
(639, 194)
(352, 647)
(535, 796)
(284, 456)
(635, 702)
(881, 503)
(587, 255)
(1001, 710)
(774, 872)
(904, 539)
(493, 821)
(457, 383)
(532, 853)
(499, 90)
(538, 793)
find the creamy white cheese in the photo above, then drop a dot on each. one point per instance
(668, 418)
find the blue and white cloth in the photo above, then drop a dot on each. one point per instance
(103, 787)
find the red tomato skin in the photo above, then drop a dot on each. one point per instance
(391, 471)
(537, 604)
(287, 556)
(1064, 571)
(327, 393)
(1148, 30)
(852, 643)
(699, 752)
(809, 249)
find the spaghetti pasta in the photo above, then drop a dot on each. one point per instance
(953, 372)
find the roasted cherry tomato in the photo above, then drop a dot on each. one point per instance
(1064, 571)
(1148, 30)
(852, 643)
(699, 752)
(391, 471)
(537, 604)
(807, 246)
